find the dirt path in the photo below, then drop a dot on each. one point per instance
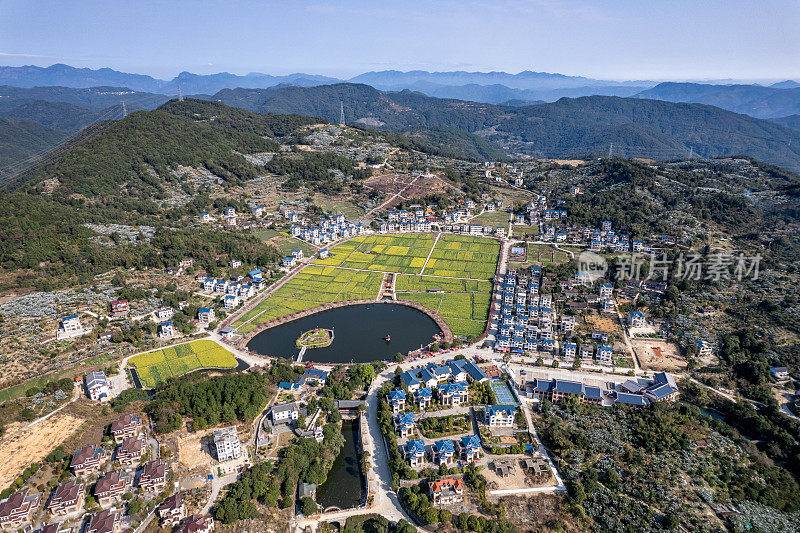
(430, 253)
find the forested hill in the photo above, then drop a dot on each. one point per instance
(567, 127)
(21, 140)
(139, 151)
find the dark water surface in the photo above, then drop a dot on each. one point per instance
(359, 332)
(344, 485)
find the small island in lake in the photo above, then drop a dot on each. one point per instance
(315, 338)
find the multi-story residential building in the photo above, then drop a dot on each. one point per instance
(126, 426)
(226, 444)
(453, 393)
(153, 476)
(112, 486)
(444, 453)
(397, 399)
(636, 319)
(423, 397)
(106, 521)
(172, 511)
(17, 510)
(166, 330)
(469, 448)
(120, 308)
(446, 491)
(88, 460)
(70, 327)
(205, 315)
(131, 450)
(285, 412)
(499, 415)
(97, 386)
(67, 498)
(404, 424)
(414, 452)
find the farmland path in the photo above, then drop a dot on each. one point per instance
(430, 253)
(75, 396)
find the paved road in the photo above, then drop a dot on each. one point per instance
(386, 502)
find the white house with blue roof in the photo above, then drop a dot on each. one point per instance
(414, 452)
(423, 397)
(469, 448)
(453, 394)
(444, 453)
(404, 424)
(397, 399)
(636, 319)
(499, 415)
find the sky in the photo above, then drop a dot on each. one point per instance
(604, 39)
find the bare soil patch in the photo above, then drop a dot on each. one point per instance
(21, 447)
(658, 355)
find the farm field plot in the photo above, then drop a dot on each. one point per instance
(465, 309)
(546, 255)
(461, 256)
(355, 268)
(155, 367)
(314, 286)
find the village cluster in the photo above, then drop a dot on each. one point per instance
(125, 467)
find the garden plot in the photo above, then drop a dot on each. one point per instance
(155, 367)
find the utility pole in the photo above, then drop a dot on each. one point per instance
(180, 94)
(341, 113)
(611, 151)
(124, 110)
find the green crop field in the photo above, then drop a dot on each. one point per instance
(462, 266)
(494, 219)
(155, 367)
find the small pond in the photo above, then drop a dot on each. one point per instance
(344, 486)
(359, 334)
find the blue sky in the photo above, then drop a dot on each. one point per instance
(622, 39)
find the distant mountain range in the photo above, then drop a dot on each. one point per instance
(463, 118)
(753, 100)
(568, 127)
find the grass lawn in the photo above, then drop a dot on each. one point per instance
(497, 218)
(525, 231)
(155, 367)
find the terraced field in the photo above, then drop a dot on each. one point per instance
(155, 367)
(461, 266)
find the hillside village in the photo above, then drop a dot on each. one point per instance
(550, 381)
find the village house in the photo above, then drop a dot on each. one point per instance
(97, 386)
(67, 498)
(443, 452)
(636, 319)
(120, 308)
(446, 491)
(704, 349)
(153, 477)
(197, 524)
(106, 521)
(285, 412)
(205, 217)
(88, 460)
(17, 510)
(172, 511)
(414, 452)
(226, 444)
(499, 415)
(604, 354)
(205, 315)
(126, 426)
(397, 399)
(70, 327)
(112, 486)
(163, 313)
(166, 330)
(131, 450)
(779, 372)
(423, 398)
(404, 424)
